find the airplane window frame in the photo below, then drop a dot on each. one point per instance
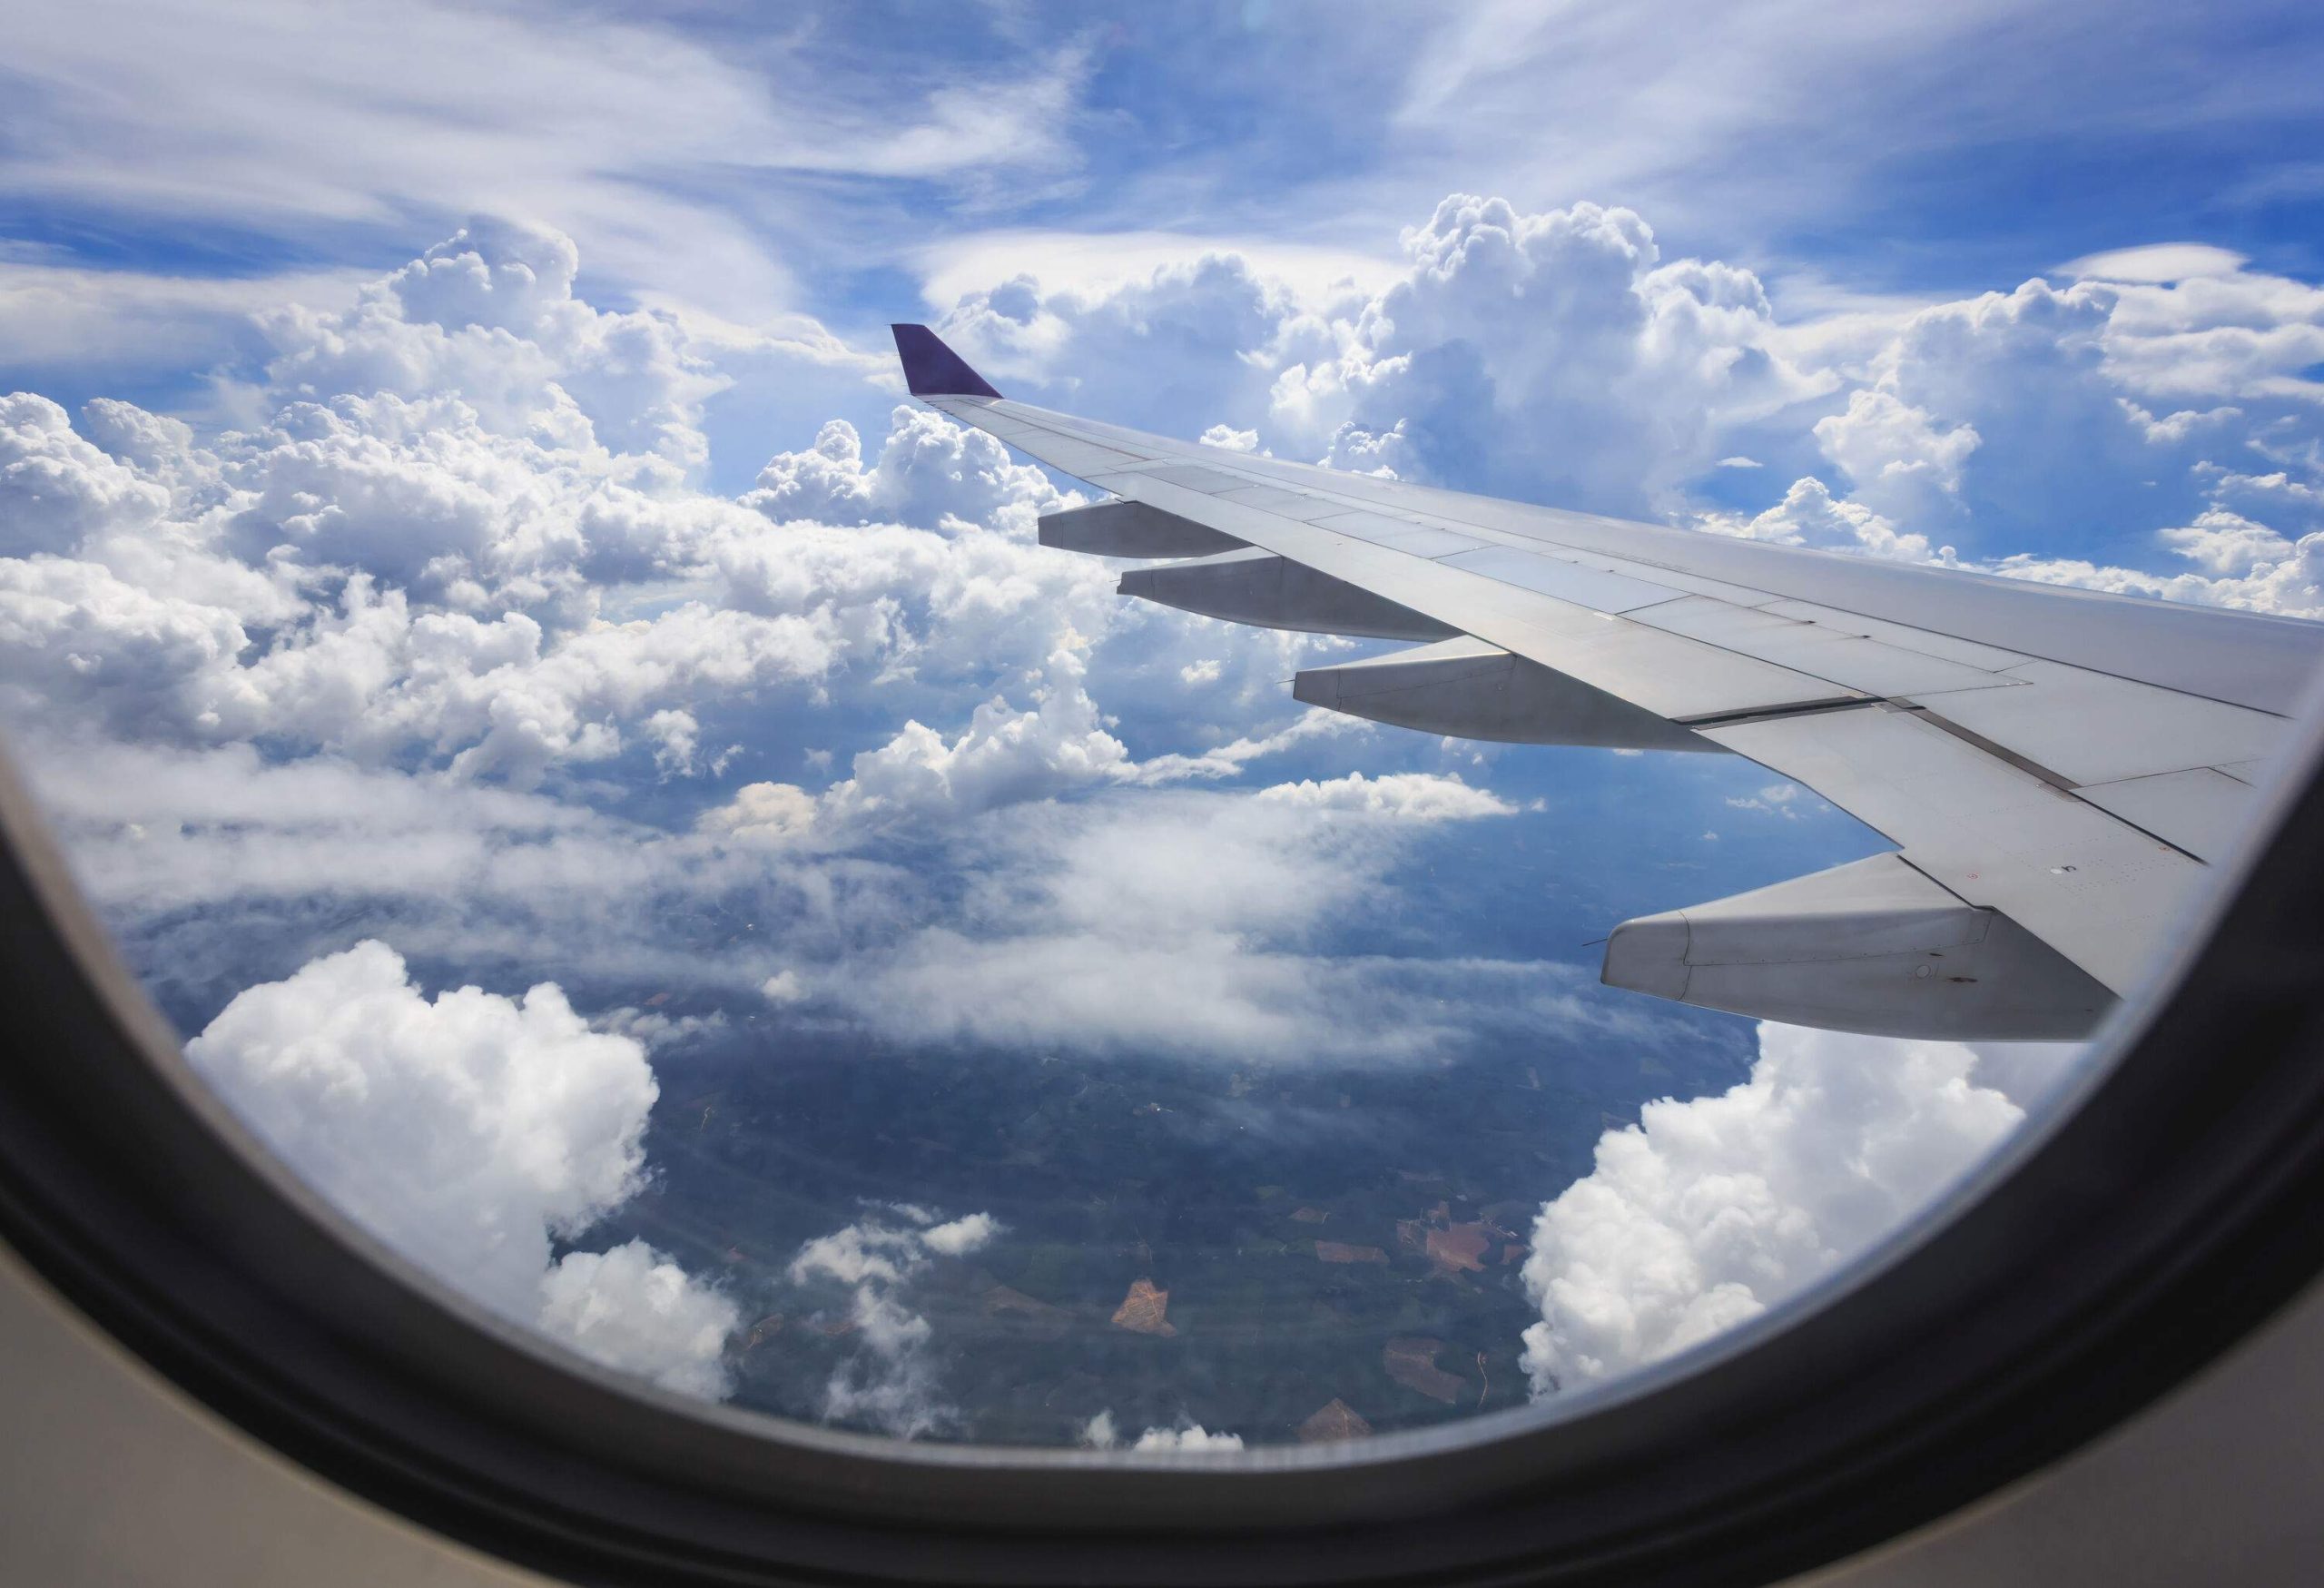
(2106, 1254)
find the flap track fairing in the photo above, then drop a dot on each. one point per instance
(1261, 588)
(1873, 946)
(1472, 690)
(1128, 528)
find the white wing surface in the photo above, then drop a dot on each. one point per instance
(2057, 768)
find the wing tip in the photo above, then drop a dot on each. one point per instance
(933, 370)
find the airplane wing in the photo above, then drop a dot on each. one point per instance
(2057, 766)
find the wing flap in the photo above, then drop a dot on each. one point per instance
(1404, 535)
(1291, 504)
(2096, 889)
(1669, 578)
(1817, 648)
(1968, 653)
(1596, 588)
(2089, 728)
(2201, 809)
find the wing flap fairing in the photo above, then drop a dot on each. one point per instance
(1472, 690)
(1871, 946)
(1127, 528)
(1823, 649)
(1268, 591)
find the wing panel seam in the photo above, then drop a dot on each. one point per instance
(1733, 719)
(2056, 780)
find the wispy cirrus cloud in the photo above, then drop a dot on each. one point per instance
(280, 131)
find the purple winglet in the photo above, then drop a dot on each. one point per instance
(933, 370)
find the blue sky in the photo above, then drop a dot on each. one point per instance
(457, 494)
(1838, 151)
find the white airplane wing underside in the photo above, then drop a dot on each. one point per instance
(2057, 768)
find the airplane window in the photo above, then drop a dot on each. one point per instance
(1236, 852)
(583, 908)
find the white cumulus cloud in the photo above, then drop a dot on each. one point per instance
(1101, 1434)
(467, 1131)
(633, 1310)
(1396, 796)
(1710, 1211)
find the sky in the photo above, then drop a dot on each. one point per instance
(461, 531)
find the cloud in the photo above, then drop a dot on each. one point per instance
(1101, 1434)
(636, 1311)
(2244, 563)
(1707, 1212)
(1071, 930)
(1143, 352)
(657, 1030)
(1093, 265)
(960, 1236)
(763, 813)
(2146, 387)
(1056, 748)
(68, 319)
(56, 487)
(1005, 756)
(1229, 759)
(893, 1380)
(1396, 796)
(2247, 565)
(1553, 355)
(1194, 923)
(931, 471)
(491, 314)
(856, 1253)
(2156, 262)
(1191, 921)
(629, 133)
(1721, 122)
(1558, 355)
(1780, 799)
(1809, 515)
(384, 570)
(1191, 1438)
(1881, 440)
(467, 1132)
(919, 778)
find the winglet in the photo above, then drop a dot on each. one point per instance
(933, 370)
